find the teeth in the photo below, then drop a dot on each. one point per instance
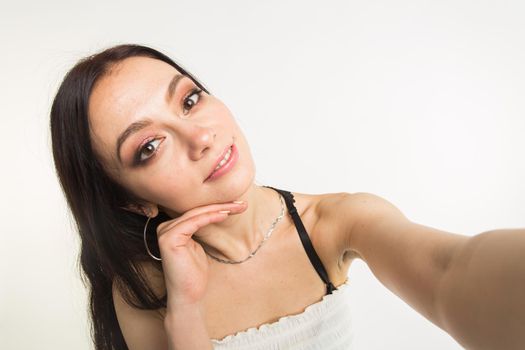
(225, 159)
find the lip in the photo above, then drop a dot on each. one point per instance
(227, 166)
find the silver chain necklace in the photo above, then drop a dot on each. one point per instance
(266, 236)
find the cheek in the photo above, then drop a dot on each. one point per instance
(167, 185)
(220, 109)
(155, 192)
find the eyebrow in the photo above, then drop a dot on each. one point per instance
(173, 86)
(133, 128)
(141, 124)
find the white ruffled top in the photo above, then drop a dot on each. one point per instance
(326, 325)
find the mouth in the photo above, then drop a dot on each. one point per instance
(224, 162)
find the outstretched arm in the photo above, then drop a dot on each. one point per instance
(482, 295)
(471, 287)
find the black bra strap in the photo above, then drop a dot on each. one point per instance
(305, 239)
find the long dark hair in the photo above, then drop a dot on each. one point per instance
(112, 247)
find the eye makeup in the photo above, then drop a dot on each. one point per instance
(147, 150)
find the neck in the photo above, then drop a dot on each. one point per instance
(240, 234)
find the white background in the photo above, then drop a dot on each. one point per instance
(420, 102)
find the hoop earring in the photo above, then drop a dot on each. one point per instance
(146, 242)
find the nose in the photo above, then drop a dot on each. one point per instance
(200, 138)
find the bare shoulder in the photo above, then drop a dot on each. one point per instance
(335, 212)
(366, 204)
(331, 219)
(343, 211)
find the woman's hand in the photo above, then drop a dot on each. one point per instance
(183, 259)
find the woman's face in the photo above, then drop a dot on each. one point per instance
(159, 137)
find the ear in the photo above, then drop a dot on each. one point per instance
(149, 210)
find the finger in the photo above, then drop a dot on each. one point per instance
(211, 207)
(233, 207)
(179, 234)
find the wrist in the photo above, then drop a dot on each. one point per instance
(178, 314)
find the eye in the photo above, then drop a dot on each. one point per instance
(147, 150)
(191, 100)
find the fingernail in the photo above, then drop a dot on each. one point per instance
(238, 202)
(224, 211)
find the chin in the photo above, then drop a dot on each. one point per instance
(240, 183)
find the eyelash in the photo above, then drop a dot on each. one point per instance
(137, 159)
(187, 98)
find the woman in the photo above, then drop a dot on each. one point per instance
(176, 234)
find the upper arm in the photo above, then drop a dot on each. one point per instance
(141, 329)
(408, 258)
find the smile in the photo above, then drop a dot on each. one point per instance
(225, 163)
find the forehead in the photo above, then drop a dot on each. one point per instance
(132, 88)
